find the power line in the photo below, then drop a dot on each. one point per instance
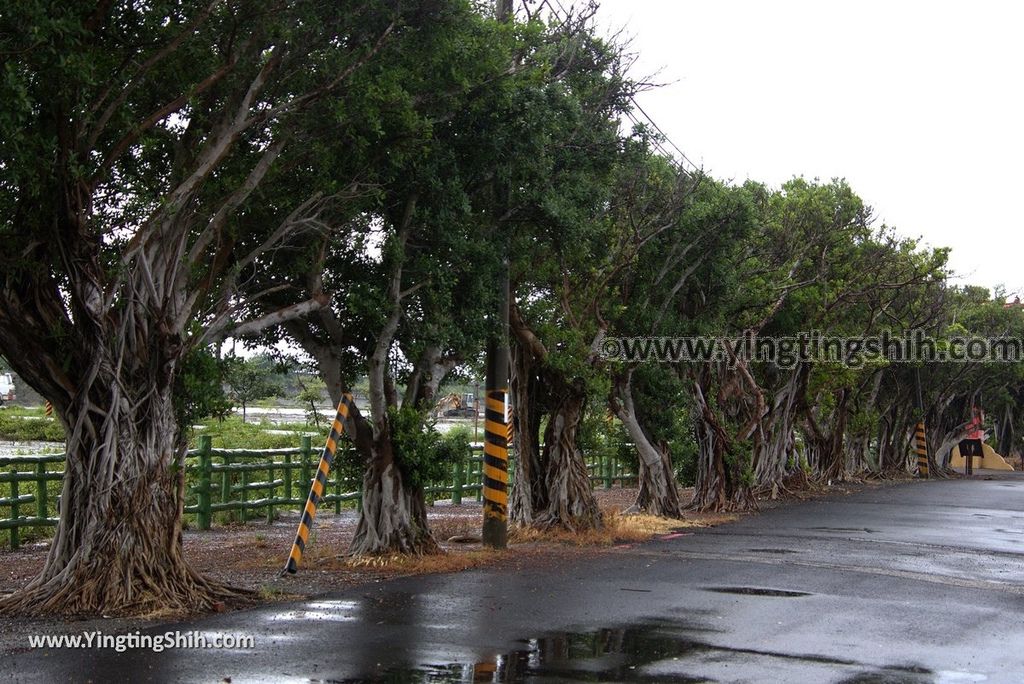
(662, 133)
(640, 109)
(658, 147)
(564, 11)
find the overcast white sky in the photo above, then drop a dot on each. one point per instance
(918, 105)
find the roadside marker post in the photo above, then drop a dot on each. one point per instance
(342, 424)
(495, 472)
(919, 430)
(922, 450)
(496, 429)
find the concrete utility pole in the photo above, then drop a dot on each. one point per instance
(495, 475)
(495, 529)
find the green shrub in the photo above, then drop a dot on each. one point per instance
(26, 427)
(419, 448)
(233, 433)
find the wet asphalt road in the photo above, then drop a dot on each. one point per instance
(922, 582)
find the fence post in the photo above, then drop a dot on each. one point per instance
(205, 445)
(303, 450)
(225, 482)
(478, 478)
(42, 502)
(15, 513)
(244, 513)
(459, 478)
(606, 466)
(304, 469)
(337, 492)
(271, 493)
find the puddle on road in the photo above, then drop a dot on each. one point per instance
(647, 652)
(758, 591)
(612, 654)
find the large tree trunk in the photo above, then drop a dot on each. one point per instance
(777, 448)
(393, 518)
(720, 485)
(570, 498)
(527, 495)
(659, 494)
(827, 439)
(945, 427)
(895, 433)
(394, 515)
(1006, 444)
(118, 545)
(552, 486)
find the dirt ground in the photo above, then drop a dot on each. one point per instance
(251, 555)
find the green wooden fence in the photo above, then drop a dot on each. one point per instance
(28, 509)
(242, 484)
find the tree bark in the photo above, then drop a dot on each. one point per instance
(393, 518)
(828, 444)
(118, 547)
(528, 494)
(778, 446)
(659, 493)
(552, 486)
(720, 485)
(570, 498)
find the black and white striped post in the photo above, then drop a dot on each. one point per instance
(342, 424)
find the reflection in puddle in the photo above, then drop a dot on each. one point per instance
(651, 652)
(603, 655)
(328, 611)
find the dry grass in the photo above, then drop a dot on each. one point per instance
(415, 565)
(618, 528)
(446, 527)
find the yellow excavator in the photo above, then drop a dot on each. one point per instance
(456, 406)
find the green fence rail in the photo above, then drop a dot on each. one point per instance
(242, 484)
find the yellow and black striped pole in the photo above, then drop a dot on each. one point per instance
(48, 409)
(922, 450)
(342, 423)
(495, 477)
(920, 439)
